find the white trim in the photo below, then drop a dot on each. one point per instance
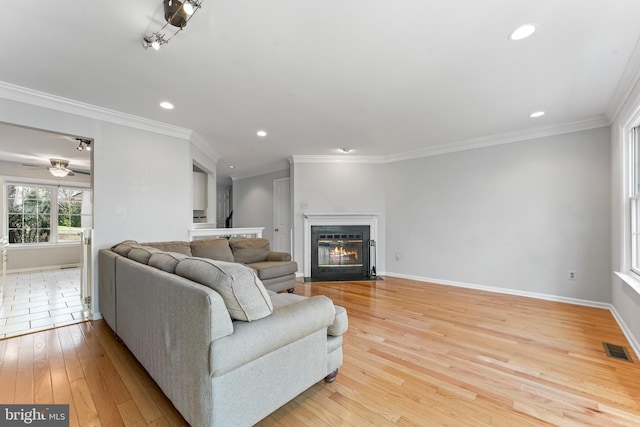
(336, 159)
(310, 219)
(628, 82)
(575, 301)
(635, 345)
(42, 268)
(499, 139)
(630, 280)
(66, 105)
(281, 166)
(202, 145)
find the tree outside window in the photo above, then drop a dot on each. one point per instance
(29, 211)
(69, 214)
(30, 216)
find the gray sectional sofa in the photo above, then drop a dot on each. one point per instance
(224, 349)
(276, 270)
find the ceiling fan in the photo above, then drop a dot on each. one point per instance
(59, 168)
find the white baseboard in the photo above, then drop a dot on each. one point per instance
(635, 345)
(625, 330)
(43, 268)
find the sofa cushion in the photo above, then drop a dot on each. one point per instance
(249, 250)
(271, 269)
(142, 253)
(175, 246)
(123, 248)
(166, 261)
(217, 249)
(243, 293)
(340, 323)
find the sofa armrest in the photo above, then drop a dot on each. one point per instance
(286, 325)
(340, 324)
(278, 256)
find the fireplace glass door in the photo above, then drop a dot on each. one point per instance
(340, 253)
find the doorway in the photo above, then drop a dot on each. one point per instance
(282, 233)
(46, 188)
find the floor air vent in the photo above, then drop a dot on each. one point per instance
(617, 352)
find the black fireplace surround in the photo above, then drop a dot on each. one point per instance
(340, 252)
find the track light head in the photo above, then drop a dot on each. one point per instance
(176, 13)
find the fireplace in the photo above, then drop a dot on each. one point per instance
(340, 252)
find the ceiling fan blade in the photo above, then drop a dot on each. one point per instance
(79, 172)
(31, 165)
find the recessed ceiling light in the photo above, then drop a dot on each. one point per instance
(261, 133)
(232, 167)
(523, 32)
(536, 114)
(166, 105)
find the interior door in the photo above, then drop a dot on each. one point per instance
(281, 215)
(222, 208)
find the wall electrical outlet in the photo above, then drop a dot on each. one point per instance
(571, 275)
(397, 256)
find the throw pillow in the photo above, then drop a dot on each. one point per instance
(176, 246)
(249, 250)
(217, 249)
(243, 293)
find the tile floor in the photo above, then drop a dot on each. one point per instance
(39, 300)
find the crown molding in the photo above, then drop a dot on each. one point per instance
(628, 82)
(66, 105)
(336, 159)
(499, 139)
(202, 145)
(277, 167)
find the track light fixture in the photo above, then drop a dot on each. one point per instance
(177, 13)
(83, 144)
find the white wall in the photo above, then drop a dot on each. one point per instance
(517, 216)
(253, 202)
(142, 179)
(328, 187)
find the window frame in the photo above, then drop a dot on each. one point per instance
(53, 214)
(634, 197)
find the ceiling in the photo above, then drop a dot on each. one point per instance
(384, 78)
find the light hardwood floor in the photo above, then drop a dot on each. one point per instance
(416, 354)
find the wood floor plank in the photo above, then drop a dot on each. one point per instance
(25, 381)
(9, 371)
(43, 392)
(415, 354)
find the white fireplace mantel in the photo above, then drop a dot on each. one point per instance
(311, 219)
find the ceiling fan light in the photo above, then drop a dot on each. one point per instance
(58, 172)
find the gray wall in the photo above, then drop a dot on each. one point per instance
(517, 216)
(253, 202)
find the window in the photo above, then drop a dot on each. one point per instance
(31, 219)
(635, 199)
